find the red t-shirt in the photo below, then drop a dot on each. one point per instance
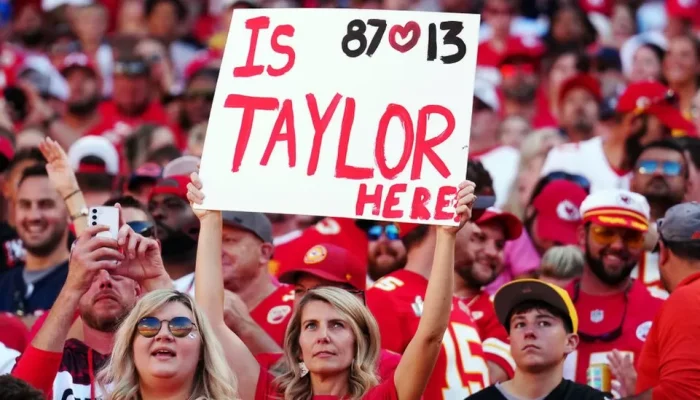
(273, 314)
(460, 369)
(13, 333)
(493, 335)
(670, 361)
(600, 315)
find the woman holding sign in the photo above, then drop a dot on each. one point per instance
(332, 342)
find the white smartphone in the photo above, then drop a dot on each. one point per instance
(108, 216)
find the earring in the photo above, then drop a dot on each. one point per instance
(303, 369)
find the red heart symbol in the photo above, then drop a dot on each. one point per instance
(411, 28)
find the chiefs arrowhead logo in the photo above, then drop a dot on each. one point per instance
(567, 211)
(315, 255)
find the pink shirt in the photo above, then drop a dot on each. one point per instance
(519, 257)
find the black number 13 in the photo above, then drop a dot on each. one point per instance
(453, 29)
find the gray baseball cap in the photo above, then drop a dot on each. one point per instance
(256, 223)
(681, 224)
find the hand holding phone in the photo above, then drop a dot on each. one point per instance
(108, 216)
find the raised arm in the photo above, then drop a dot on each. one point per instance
(209, 293)
(418, 360)
(63, 179)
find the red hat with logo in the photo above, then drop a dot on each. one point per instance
(654, 99)
(512, 225)
(558, 214)
(583, 81)
(604, 7)
(175, 185)
(341, 232)
(329, 262)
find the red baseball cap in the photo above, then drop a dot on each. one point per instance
(175, 185)
(511, 223)
(685, 9)
(558, 214)
(654, 99)
(330, 262)
(523, 50)
(584, 81)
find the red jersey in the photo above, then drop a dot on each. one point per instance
(670, 360)
(460, 369)
(631, 311)
(493, 335)
(273, 313)
(647, 271)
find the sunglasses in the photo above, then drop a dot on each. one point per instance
(605, 236)
(132, 68)
(668, 168)
(143, 228)
(391, 232)
(580, 180)
(608, 336)
(180, 327)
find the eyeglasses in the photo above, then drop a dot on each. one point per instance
(143, 228)
(180, 327)
(668, 168)
(605, 236)
(609, 336)
(131, 68)
(391, 231)
(580, 180)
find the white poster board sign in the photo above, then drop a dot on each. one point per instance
(343, 113)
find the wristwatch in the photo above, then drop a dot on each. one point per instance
(82, 213)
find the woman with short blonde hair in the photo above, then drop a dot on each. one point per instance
(165, 346)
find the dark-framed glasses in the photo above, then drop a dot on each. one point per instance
(143, 228)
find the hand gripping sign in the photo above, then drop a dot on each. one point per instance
(344, 113)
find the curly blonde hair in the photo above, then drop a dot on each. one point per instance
(213, 378)
(292, 385)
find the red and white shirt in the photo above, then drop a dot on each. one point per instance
(461, 368)
(273, 313)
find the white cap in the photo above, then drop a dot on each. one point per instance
(616, 208)
(96, 146)
(184, 165)
(486, 92)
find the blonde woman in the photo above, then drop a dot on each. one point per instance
(332, 344)
(166, 349)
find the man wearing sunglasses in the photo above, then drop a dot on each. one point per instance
(615, 311)
(106, 276)
(645, 112)
(386, 251)
(670, 360)
(660, 175)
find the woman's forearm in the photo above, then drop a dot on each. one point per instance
(209, 283)
(438, 297)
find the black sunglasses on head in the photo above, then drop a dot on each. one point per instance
(143, 228)
(580, 180)
(180, 327)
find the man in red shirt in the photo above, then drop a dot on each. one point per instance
(669, 366)
(326, 264)
(478, 261)
(461, 369)
(246, 251)
(615, 311)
